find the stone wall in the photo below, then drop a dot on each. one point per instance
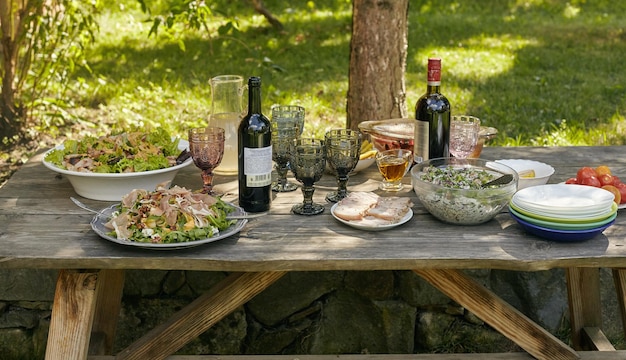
(307, 312)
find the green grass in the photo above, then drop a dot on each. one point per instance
(542, 72)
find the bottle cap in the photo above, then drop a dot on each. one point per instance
(434, 71)
(254, 81)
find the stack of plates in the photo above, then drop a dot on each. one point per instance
(563, 212)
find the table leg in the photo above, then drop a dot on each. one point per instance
(496, 312)
(72, 315)
(108, 306)
(204, 312)
(619, 278)
(583, 291)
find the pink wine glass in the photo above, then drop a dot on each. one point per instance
(206, 146)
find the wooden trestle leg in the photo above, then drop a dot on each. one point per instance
(500, 315)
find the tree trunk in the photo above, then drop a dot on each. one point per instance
(10, 22)
(378, 51)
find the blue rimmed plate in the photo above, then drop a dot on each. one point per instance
(560, 225)
(565, 220)
(561, 235)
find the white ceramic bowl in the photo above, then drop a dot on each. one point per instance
(111, 187)
(363, 164)
(543, 171)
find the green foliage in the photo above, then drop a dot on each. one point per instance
(51, 48)
(543, 72)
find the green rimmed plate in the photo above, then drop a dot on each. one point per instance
(561, 225)
(565, 220)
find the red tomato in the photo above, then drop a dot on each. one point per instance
(572, 180)
(585, 173)
(616, 180)
(591, 181)
(622, 189)
(606, 179)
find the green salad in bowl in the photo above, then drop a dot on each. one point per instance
(108, 167)
(117, 153)
(457, 191)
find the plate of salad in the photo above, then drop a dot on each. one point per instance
(107, 167)
(167, 219)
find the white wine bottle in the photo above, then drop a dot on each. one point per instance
(254, 142)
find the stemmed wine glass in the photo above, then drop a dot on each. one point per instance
(343, 147)
(289, 114)
(283, 135)
(206, 146)
(464, 134)
(308, 162)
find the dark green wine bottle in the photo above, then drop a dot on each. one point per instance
(432, 112)
(255, 154)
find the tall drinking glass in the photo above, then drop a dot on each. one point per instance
(206, 146)
(464, 134)
(343, 147)
(308, 163)
(291, 114)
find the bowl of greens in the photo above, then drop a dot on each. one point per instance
(464, 191)
(109, 167)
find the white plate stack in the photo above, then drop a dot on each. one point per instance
(563, 212)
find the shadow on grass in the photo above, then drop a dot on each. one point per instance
(521, 70)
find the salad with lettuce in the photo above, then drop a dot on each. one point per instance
(121, 152)
(166, 216)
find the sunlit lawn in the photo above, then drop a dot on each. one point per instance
(542, 72)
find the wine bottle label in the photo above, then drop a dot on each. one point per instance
(420, 142)
(258, 166)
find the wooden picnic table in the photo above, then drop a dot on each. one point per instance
(42, 229)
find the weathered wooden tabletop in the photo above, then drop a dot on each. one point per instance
(41, 228)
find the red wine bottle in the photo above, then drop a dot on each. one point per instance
(432, 112)
(254, 142)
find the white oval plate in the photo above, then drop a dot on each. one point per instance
(359, 226)
(98, 221)
(568, 198)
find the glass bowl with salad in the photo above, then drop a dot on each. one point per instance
(462, 191)
(108, 167)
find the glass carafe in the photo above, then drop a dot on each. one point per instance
(226, 112)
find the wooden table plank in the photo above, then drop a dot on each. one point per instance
(596, 339)
(585, 355)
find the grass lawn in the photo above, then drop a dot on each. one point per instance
(544, 72)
